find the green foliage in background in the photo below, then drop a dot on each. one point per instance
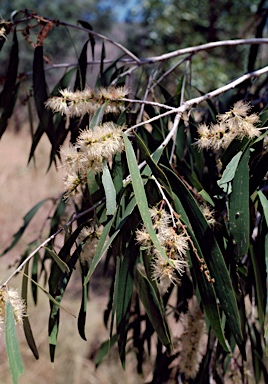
(166, 191)
(178, 24)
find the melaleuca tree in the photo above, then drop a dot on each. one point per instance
(168, 191)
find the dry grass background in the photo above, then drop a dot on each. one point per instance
(23, 186)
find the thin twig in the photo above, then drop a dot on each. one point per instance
(146, 102)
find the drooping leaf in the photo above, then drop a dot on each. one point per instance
(12, 345)
(124, 287)
(9, 93)
(57, 290)
(229, 173)
(104, 349)
(26, 322)
(51, 298)
(81, 322)
(35, 141)
(264, 203)
(64, 82)
(27, 218)
(98, 116)
(239, 208)
(258, 285)
(81, 74)
(102, 247)
(35, 277)
(86, 25)
(109, 190)
(102, 77)
(153, 308)
(63, 266)
(92, 184)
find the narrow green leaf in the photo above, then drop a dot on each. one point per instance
(63, 266)
(86, 25)
(153, 308)
(57, 289)
(258, 285)
(109, 190)
(103, 55)
(124, 288)
(81, 74)
(239, 208)
(27, 218)
(140, 196)
(12, 345)
(83, 307)
(157, 171)
(52, 337)
(92, 184)
(104, 349)
(35, 140)
(102, 246)
(206, 197)
(229, 173)
(98, 116)
(264, 203)
(26, 322)
(51, 298)
(64, 82)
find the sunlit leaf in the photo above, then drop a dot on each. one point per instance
(229, 173)
(109, 189)
(12, 345)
